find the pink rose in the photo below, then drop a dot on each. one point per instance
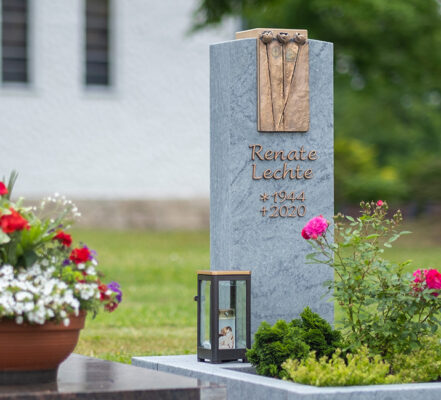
(315, 227)
(420, 276)
(433, 280)
(304, 234)
(380, 203)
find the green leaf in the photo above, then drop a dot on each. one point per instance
(29, 257)
(12, 179)
(4, 238)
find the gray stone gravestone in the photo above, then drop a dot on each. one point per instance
(265, 185)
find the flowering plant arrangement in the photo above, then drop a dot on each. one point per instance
(389, 316)
(43, 277)
(384, 307)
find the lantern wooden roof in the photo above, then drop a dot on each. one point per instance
(232, 272)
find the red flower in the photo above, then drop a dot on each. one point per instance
(64, 238)
(3, 189)
(433, 280)
(80, 255)
(103, 289)
(111, 306)
(13, 222)
(305, 235)
(380, 203)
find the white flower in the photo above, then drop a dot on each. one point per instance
(90, 270)
(36, 294)
(28, 307)
(20, 296)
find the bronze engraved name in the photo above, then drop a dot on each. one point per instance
(285, 172)
(286, 203)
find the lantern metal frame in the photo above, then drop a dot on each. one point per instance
(214, 354)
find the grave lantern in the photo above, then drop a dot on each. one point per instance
(223, 315)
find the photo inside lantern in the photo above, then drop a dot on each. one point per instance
(227, 329)
(232, 314)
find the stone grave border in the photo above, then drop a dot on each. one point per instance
(242, 383)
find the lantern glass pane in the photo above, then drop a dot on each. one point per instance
(241, 317)
(232, 315)
(204, 326)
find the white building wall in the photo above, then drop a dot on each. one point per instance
(145, 137)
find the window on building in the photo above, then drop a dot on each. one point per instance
(14, 51)
(97, 42)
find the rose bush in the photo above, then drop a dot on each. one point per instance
(384, 308)
(388, 333)
(42, 277)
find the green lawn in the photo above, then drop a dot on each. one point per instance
(157, 274)
(157, 271)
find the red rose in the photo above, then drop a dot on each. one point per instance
(79, 256)
(64, 238)
(3, 189)
(13, 222)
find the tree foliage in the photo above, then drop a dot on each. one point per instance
(388, 73)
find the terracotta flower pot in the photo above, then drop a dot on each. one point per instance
(29, 347)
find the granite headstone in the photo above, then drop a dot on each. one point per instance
(265, 185)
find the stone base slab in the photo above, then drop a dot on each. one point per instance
(87, 378)
(242, 383)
